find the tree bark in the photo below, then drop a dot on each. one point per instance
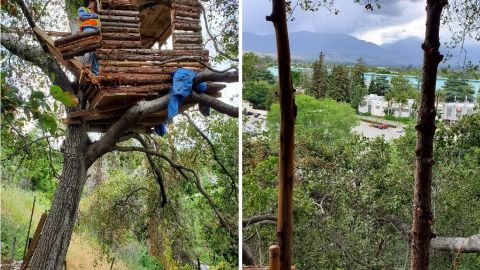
(421, 232)
(287, 131)
(57, 231)
(469, 244)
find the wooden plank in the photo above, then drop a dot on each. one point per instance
(58, 34)
(115, 29)
(185, 64)
(81, 51)
(132, 79)
(110, 12)
(73, 65)
(142, 58)
(33, 244)
(73, 38)
(120, 19)
(79, 43)
(114, 44)
(119, 24)
(186, 26)
(145, 70)
(121, 36)
(172, 53)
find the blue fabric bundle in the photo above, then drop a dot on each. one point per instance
(182, 84)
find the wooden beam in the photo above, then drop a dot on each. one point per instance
(33, 244)
(287, 132)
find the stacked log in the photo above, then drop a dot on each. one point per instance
(79, 44)
(129, 73)
(187, 30)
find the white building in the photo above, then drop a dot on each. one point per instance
(453, 111)
(377, 106)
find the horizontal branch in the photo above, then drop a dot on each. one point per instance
(469, 244)
(457, 244)
(145, 108)
(260, 219)
(209, 76)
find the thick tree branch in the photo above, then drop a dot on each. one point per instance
(457, 244)
(35, 55)
(210, 76)
(469, 244)
(260, 218)
(144, 108)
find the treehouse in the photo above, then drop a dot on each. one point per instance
(131, 70)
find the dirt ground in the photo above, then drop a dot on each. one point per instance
(83, 255)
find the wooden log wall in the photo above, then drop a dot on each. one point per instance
(79, 44)
(187, 29)
(128, 72)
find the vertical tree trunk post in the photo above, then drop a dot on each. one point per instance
(421, 232)
(29, 227)
(287, 125)
(53, 245)
(274, 258)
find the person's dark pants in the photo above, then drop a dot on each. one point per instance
(92, 56)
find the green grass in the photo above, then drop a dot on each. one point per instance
(16, 206)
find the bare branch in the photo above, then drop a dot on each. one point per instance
(183, 171)
(214, 40)
(156, 170)
(214, 152)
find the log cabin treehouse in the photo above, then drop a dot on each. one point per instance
(130, 69)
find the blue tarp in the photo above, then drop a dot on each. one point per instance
(182, 83)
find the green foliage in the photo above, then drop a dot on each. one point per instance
(249, 65)
(259, 85)
(317, 120)
(16, 209)
(339, 84)
(124, 208)
(16, 109)
(353, 195)
(66, 98)
(260, 93)
(319, 83)
(380, 86)
(222, 19)
(457, 88)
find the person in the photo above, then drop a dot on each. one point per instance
(89, 21)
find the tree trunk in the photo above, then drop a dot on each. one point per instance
(287, 131)
(53, 244)
(421, 232)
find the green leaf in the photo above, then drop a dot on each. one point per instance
(48, 123)
(66, 98)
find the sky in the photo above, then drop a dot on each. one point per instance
(395, 20)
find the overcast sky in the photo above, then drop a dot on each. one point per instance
(397, 19)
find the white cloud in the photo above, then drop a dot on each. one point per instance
(390, 34)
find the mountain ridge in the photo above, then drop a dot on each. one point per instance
(344, 48)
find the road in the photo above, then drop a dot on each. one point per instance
(372, 132)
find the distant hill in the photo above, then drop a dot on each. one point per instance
(343, 48)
